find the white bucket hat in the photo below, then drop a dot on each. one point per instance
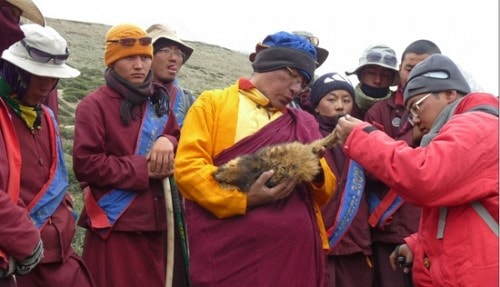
(157, 31)
(30, 10)
(43, 53)
(379, 55)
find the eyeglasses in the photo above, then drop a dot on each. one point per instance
(387, 59)
(129, 42)
(44, 57)
(172, 52)
(297, 78)
(415, 108)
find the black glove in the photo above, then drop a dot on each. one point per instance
(24, 266)
(10, 268)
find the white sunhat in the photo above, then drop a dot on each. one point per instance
(30, 10)
(158, 31)
(379, 55)
(43, 52)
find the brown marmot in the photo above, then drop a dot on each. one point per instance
(288, 160)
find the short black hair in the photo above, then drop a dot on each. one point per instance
(421, 47)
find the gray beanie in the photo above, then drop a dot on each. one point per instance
(327, 83)
(435, 74)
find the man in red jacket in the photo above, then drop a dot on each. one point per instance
(390, 218)
(453, 175)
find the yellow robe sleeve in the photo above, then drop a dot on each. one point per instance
(209, 128)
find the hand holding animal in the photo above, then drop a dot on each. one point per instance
(288, 160)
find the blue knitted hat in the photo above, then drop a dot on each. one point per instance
(283, 49)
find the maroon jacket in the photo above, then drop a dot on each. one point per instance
(357, 236)
(19, 235)
(58, 233)
(390, 116)
(104, 158)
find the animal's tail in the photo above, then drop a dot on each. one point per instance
(329, 141)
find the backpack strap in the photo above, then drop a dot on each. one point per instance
(478, 207)
(486, 216)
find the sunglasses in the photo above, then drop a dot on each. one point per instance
(129, 42)
(313, 40)
(44, 57)
(387, 59)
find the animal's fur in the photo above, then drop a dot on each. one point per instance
(288, 160)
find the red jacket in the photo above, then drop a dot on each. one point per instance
(459, 166)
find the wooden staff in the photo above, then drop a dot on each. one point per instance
(170, 233)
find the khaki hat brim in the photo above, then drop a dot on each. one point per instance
(30, 11)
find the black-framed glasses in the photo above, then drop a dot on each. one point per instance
(129, 42)
(377, 57)
(44, 57)
(172, 52)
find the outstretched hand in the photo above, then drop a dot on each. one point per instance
(345, 125)
(259, 193)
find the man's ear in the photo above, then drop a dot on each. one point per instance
(451, 96)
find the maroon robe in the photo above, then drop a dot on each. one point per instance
(104, 158)
(386, 115)
(277, 244)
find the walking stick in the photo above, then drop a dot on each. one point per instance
(179, 217)
(407, 277)
(170, 233)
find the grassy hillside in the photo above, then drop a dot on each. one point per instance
(208, 67)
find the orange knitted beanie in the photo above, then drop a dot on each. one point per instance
(114, 50)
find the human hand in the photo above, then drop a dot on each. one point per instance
(27, 264)
(416, 135)
(401, 251)
(259, 193)
(345, 126)
(9, 268)
(161, 159)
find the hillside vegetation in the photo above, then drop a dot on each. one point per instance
(209, 67)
